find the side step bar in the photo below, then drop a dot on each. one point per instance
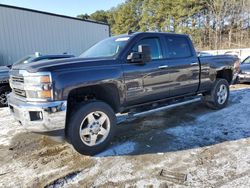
(130, 116)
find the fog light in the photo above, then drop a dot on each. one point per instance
(53, 109)
(36, 116)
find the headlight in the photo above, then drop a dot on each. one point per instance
(33, 80)
(38, 86)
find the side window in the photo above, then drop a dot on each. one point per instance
(178, 47)
(154, 45)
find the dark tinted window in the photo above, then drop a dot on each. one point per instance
(154, 45)
(178, 47)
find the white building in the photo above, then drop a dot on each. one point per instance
(25, 31)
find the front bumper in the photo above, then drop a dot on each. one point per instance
(38, 117)
(244, 77)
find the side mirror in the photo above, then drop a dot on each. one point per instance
(142, 56)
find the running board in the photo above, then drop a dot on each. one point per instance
(130, 116)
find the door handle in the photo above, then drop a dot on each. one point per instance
(163, 67)
(195, 63)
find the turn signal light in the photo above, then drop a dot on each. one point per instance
(45, 94)
(45, 79)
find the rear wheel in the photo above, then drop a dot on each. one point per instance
(218, 97)
(4, 91)
(91, 127)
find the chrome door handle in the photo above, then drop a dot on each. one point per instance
(163, 67)
(192, 64)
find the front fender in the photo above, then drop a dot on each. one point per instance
(67, 80)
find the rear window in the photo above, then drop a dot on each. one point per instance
(178, 47)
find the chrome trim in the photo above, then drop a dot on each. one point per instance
(26, 73)
(166, 107)
(53, 113)
(163, 67)
(195, 63)
(244, 73)
(131, 116)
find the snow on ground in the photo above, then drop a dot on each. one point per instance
(227, 124)
(6, 130)
(192, 145)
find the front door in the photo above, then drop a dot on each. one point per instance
(149, 81)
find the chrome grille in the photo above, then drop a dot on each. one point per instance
(17, 79)
(17, 84)
(19, 92)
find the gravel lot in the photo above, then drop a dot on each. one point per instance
(189, 146)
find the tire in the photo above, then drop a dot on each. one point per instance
(87, 133)
(218, 97)
(4, 90)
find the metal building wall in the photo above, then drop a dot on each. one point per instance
(24, 32)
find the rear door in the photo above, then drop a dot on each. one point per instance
(183, 65)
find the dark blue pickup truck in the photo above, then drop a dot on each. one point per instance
(134, 74)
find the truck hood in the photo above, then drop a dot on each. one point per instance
(69, 63)
(4, 74)
(4, 69)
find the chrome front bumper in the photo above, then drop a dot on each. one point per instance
(244, 77)
(38, 117)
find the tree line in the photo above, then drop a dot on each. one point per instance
(212, 24)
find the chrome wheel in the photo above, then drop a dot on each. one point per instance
(222, 94)
(94, 128)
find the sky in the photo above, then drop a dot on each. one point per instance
(65, 7)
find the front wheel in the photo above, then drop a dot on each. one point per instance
(218, 97)
(92, 127)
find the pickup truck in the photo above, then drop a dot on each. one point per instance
(244, 73)
(4, 72)
(134, 74)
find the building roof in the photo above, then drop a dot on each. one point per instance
(52, 14)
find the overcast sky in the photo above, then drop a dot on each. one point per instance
(65, 7)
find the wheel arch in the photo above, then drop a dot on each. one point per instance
(107, 93)
(226, 74)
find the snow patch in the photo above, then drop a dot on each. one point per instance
(119, 149)
(217, 126)
(7, 130)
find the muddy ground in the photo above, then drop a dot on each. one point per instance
(190, 146)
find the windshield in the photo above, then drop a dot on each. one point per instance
(23, 60)
(109, 47)
(247, 60)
